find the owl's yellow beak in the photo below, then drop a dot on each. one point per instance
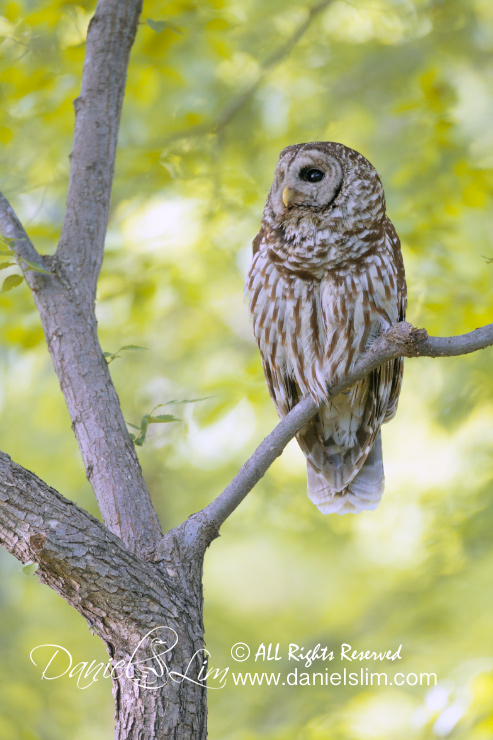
(288, 196)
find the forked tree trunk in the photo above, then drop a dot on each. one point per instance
(139, 591)
(148, 614)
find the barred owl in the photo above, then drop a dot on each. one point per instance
(327, 277)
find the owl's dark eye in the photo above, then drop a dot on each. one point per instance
(311, 174)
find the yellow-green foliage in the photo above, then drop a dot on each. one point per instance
(409, 84)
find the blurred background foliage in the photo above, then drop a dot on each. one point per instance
(215, 89)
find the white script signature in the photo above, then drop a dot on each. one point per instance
(148, 666)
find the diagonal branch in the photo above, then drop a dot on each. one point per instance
(401, 340)
(11, 227)
(77, 556)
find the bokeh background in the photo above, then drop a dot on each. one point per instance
(216, 88)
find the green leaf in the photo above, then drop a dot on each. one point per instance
(7, 241)
(35, 267)
(133, 346)
(30, 568)
(159, 26)
(156, 26)
(115, 355)
(162, 419)
(488, 260)
(147, 419)
(186, 400)
(150, 418)
(143, 430)
(12, 281)
(3, 265)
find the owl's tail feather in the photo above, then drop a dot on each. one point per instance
(362, 493)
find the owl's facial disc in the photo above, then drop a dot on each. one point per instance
(312, 179)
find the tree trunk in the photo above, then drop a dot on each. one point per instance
(160, 676)
(159, 686)
(176, 707)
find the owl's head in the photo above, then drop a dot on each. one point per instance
(322, 183)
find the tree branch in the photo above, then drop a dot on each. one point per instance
(11, 227)
(77, 556)
(401, 340)
(109, 456)
(109, 40)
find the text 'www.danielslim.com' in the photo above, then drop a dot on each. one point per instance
(363, 677)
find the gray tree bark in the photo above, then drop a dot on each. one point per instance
(139, 590)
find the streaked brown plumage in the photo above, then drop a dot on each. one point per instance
(326, 279)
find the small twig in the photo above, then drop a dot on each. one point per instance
(402, 340)
(11, 227)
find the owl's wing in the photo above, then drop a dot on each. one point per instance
(398, 365)
(257, 241)
(343, 435)
(283, 389)
(269, 317)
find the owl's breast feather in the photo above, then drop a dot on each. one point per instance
(314, 330)
(286, 314)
